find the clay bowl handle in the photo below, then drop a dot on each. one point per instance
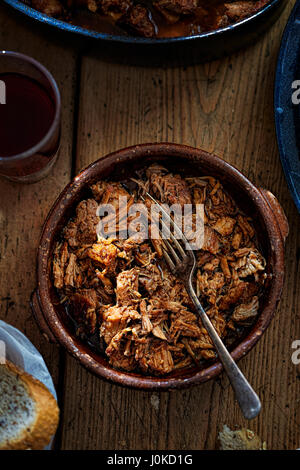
(277, 211)
(39, 317)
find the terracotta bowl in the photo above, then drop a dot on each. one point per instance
(260, 204)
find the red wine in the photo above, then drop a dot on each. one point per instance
(27, 115)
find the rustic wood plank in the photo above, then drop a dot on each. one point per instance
(23, 208)
(225, 107)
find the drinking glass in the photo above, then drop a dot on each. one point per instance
(34, 163)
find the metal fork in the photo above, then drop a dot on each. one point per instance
(182, 263)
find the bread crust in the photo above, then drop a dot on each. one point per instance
(240, 439)
(45, 422)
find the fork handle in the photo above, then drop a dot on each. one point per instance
(247, 398)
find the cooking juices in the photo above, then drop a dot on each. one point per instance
(29, 118)
(26, 116)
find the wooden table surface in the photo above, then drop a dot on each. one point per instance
(225, 107)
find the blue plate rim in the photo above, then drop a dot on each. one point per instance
(65, 26)
(283, 108)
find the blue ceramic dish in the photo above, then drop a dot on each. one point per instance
(287, 114)
(201, 47)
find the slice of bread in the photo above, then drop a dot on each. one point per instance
(28, 411)
(241, 439)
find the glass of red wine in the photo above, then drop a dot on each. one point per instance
(30, 118)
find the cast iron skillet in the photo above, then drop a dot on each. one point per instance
(271, 226)
(183, 50)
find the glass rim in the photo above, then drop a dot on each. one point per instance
(32, 150)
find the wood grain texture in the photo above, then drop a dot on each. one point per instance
(23, 208)
(225, 107)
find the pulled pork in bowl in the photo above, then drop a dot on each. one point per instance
(109, 298)
(120, 293)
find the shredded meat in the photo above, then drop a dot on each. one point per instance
(73, 277)
(61, 256)
(168, 188)
(120, 291)
(105, 253)
(245, 311)
(49, 7)
(83, 229)
(238, 10)
(115, 319)
(177, 7)
(127, 287)
(138, 20)
(84, 304)
(211, 241)
(115, 8)
(224, 225)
